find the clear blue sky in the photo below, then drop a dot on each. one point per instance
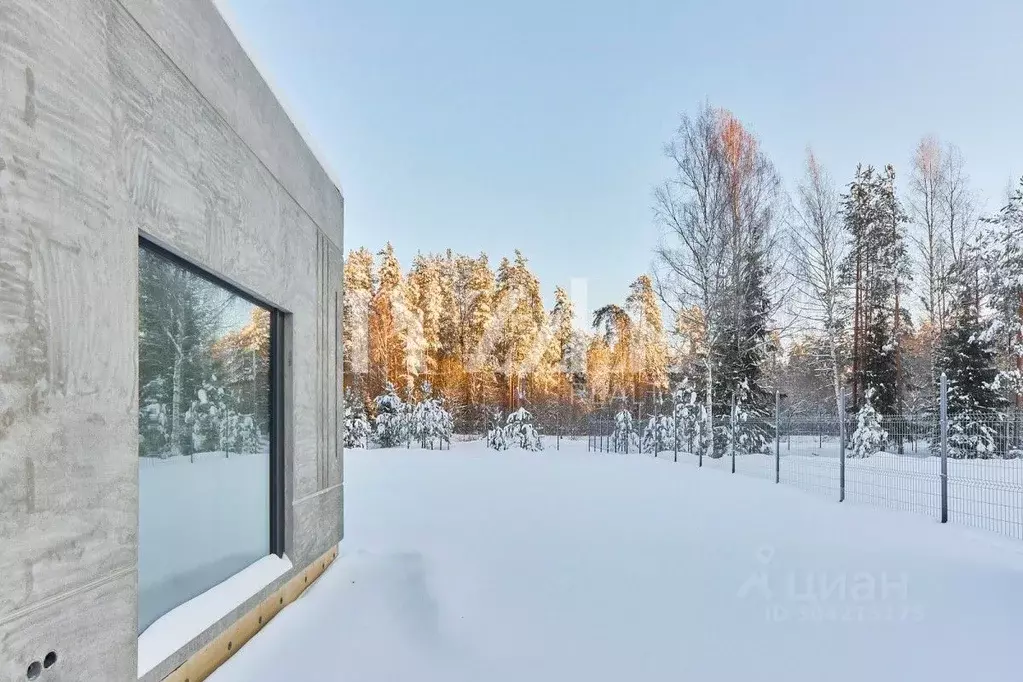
(538, 125)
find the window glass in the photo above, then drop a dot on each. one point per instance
(204, 434)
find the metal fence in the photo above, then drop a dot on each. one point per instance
(960, 467)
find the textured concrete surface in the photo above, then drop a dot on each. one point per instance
(120, 118)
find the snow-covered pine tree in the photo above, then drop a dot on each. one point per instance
(649, 362)
(425, 295)
(519, 431)
(391, 424)
(967, 356)
(215, 423)
(497, 436)
(357, 428)
(689, 418)
(659, 430)
(476, 299)
(624, 437)
(1003, 277)
(431, 424)
(519, 316)
(877, 269)
(388, 361)
(869, 436)
(154, 419)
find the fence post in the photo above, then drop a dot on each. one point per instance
(841, 446)
(731, 440)
(674, 425)
(943, 413)
(777, 436)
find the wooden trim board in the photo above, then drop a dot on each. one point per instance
(202, 664)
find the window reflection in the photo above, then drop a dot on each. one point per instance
(204, 436)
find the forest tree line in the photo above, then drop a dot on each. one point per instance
(871, 288)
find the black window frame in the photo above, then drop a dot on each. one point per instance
(277, 419)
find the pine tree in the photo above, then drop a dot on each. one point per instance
(391, 425)
(388, 357)
(357, 428)
(1002, 262)
(477, 302)
(358, 295)
(967, 356)
(520, 431)
(618, 331)
(650, 348)
(870, 436)
(877, 268)
(519, 316)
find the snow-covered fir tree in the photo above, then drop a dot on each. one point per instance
(431, 424)
(870, 436)
(1002, 277)
(689, 418)
(391, 425)
(659, 429)
(967, 356)
(357, 429)
(520, 431)
(624, 436)
(497, 434)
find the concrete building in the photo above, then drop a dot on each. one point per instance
(166, 231)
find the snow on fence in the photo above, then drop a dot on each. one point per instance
(982, 455)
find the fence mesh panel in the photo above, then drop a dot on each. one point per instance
(902, 471)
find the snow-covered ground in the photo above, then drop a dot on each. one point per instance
(474, 565)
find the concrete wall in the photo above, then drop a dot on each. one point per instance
(120, 118)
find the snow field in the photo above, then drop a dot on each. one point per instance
(470, 564)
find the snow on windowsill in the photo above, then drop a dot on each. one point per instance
(180, 626)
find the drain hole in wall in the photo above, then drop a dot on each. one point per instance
(50, 660)
(34, 669)
(281, 600)
(261, 620)
(229, 645)
(306, 579)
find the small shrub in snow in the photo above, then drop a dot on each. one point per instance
(870, 436)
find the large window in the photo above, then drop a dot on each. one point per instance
(208, 437)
